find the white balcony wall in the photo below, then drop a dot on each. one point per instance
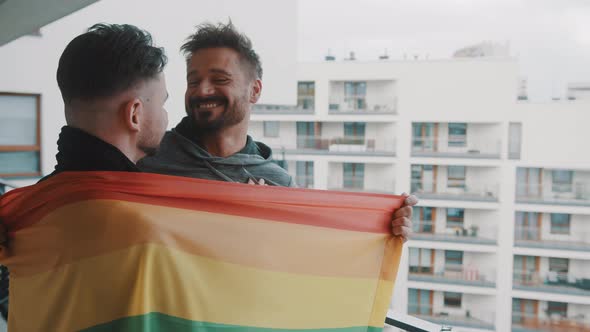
(548, 139)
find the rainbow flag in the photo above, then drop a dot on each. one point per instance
(114, 251)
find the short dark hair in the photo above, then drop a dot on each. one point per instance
(209, 35)
(106, 60)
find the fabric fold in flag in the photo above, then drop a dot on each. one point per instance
(118, 251)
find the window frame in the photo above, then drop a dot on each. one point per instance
(456, 182)
(457, 140)
(457, 299)
(26, 148)
(560, 226)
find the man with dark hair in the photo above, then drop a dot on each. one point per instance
(113, 86)
(224, 78)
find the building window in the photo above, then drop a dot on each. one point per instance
(560, 223)
(354, 95)
(455, 217)
(304, 178)
(20, 141)
(452, 299)
(354, 175)
(421, 260)
(456, 177)
(420, 301)
(562, 181)
(556, 308)
(271, 128)
(453, 258)
(423, 219)
(354, 133)
(560, 265)
(457, 134)
(306, 95)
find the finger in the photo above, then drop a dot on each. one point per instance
(407, 222)
(411, 200)
(405, 211)
(403, 232)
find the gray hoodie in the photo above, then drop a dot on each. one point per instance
(180, 156)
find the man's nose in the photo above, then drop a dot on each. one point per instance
(205, 88)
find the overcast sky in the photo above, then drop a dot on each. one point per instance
(550, 38)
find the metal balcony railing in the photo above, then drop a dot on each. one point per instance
(551, 281)
(466, 190)
(359, 105)
(554, 238)
(456, 274)
(576, 194)
(338, 145)
(281, 109)
(553, 322)
(469, 318)
(429, 230)
(460, 147)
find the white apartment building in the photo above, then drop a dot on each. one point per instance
(502, 229)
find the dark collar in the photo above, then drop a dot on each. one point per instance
(80, 151)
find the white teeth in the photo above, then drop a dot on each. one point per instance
(208, 105)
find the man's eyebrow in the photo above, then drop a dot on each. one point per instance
(220, 71)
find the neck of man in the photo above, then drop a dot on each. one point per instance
(226, 141)
(101, 123)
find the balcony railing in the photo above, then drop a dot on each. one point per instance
(361, 184)
(280, 109)
(455, 316)
(553, 282)
(456, 148)
(340, 106)
(456, 274)
(479, 234)
(347, 145)
(577, 194)
(522, 322)
(559, 238)
(475, 191)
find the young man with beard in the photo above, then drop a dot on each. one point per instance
(224, 78)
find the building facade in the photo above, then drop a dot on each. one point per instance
(501, 232)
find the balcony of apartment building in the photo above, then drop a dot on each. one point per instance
(305, 102)
(456, 140)
(451, 308)
(533, 315)
(551, 274)
(327, 138)
(378, 178)
(553, 186)
(455, 225)
(455, 182)
(363, 97)
(451, 267)
(552, 231)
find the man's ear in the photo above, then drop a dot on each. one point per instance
(132, 113)
(256, 91)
